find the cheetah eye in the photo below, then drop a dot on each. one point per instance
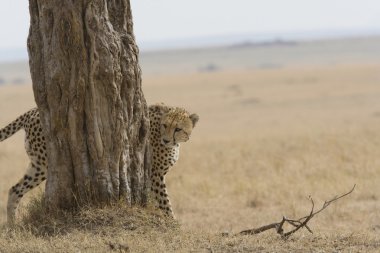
(177, 129)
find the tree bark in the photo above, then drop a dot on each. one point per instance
(87, 85)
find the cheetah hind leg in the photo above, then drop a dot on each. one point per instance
(31, 179)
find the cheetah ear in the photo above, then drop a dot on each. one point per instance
(194, 118)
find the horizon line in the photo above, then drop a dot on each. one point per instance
(199, 42)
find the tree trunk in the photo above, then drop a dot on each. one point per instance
(87, 85)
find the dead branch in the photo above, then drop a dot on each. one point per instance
(296, 223)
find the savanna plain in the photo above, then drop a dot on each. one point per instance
(278, 122)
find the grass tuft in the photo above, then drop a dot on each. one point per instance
(36, 219)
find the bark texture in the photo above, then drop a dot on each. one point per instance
(87, 85)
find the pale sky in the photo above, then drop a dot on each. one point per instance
(161, 20)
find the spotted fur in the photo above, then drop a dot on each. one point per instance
(165, 142)
(36, 149)
(169, 127)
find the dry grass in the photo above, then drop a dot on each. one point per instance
(255, 181)
(249, 182)
(267, 139)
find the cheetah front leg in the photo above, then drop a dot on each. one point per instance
(33, 177)
(161, 195)
(13, 201)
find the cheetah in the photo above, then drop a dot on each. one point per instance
(169, 127)
(36, 149)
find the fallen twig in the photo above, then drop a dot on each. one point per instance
(296, 223)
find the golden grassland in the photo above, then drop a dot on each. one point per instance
(266, 140)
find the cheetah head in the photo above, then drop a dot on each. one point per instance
(176, 126)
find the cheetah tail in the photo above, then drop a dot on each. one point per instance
(13, 127)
